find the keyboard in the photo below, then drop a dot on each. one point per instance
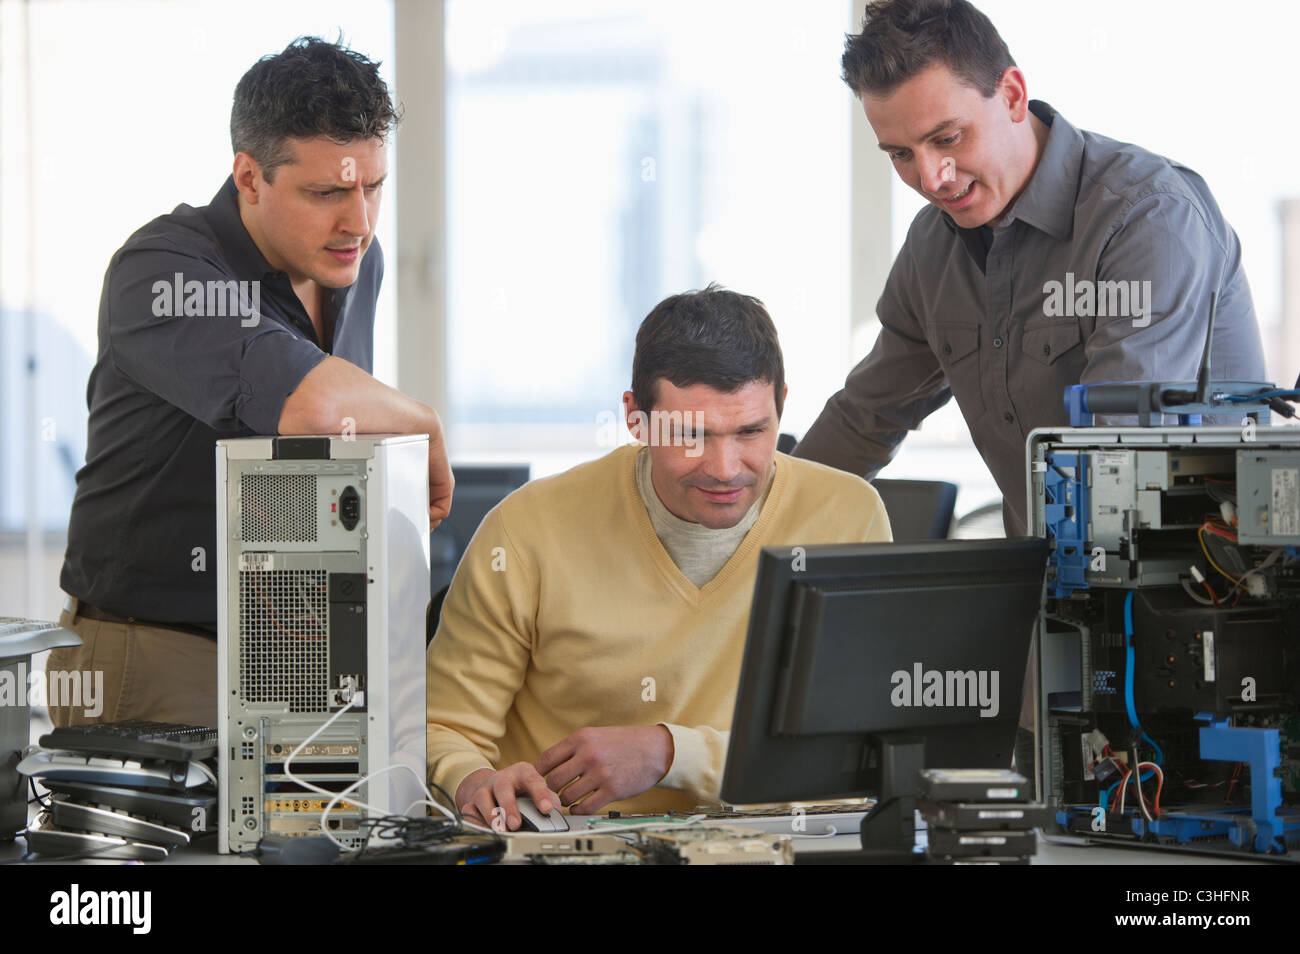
(13, 625)
(23, 637)
(136, 740)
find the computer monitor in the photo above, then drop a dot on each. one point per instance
(867, 662)
(479, 488)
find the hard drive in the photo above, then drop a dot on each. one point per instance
(949, 843)
(962, 816)
(974, 785)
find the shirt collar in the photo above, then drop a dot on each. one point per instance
(1048, 201)
(241, 252)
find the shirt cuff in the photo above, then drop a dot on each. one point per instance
(697, 761)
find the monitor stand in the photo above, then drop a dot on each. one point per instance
(889, 832)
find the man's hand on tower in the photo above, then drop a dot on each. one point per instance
(441, 480)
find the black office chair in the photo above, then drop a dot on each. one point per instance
(918, 510)
(479, 488)
(433, 614)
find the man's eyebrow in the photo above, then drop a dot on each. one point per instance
(713, 432)
(335, 184)
(933, 132)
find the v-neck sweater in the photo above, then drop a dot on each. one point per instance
(566, 611)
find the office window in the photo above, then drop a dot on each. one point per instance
(602, 156)
(129, 117)
(1153, 75)
(114, 112)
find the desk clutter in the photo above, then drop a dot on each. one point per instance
(631, 840)
(122, 790)
(711, 836)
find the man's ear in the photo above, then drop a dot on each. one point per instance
(1015, 93)
(248, 177)
(635, 418)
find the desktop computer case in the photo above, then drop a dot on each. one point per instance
(323, 585)
(1130, 478)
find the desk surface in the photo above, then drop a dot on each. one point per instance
(1052, 849)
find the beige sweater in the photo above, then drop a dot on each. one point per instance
(566, 612)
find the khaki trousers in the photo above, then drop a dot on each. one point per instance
(148, 672)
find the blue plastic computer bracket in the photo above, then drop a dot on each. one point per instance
(1066, 515)
(1151, 400)
(1261, 749)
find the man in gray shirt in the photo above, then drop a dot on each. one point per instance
(1048, 256)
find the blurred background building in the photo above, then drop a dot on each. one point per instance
(563, 166)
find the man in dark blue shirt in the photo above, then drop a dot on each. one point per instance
(251, 315)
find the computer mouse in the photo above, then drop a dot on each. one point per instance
(534, 819)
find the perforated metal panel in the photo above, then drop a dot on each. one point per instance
(278, 508)
(283, 638)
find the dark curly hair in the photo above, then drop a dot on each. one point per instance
(900, 38)
(715, 337)
(312, 88)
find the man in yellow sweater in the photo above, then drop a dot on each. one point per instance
(590, 643)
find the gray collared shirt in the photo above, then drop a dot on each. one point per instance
(181, 365)
(1101, 271)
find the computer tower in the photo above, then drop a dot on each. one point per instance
(1169, 641)
(323, 585)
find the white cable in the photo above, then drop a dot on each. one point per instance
(475, 826)
(1137, 781)
(423, 801)
(309, 785)
(1187, 588)
(336, 797)
(340, 796)
(1160, 778)
(1258, 571)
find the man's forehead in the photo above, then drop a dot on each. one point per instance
(321, 156)
(751, 403)
(920, 106)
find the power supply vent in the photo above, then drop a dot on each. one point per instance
(278, 508)
(283, 638)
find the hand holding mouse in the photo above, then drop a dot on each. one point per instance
(484, 791)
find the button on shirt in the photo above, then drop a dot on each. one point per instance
(181, 366)
(1101, 271)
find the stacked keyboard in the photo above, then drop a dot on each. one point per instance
(123, 790)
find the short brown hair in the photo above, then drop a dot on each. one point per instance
(715, 337)
(311, 88)
(901, 38)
